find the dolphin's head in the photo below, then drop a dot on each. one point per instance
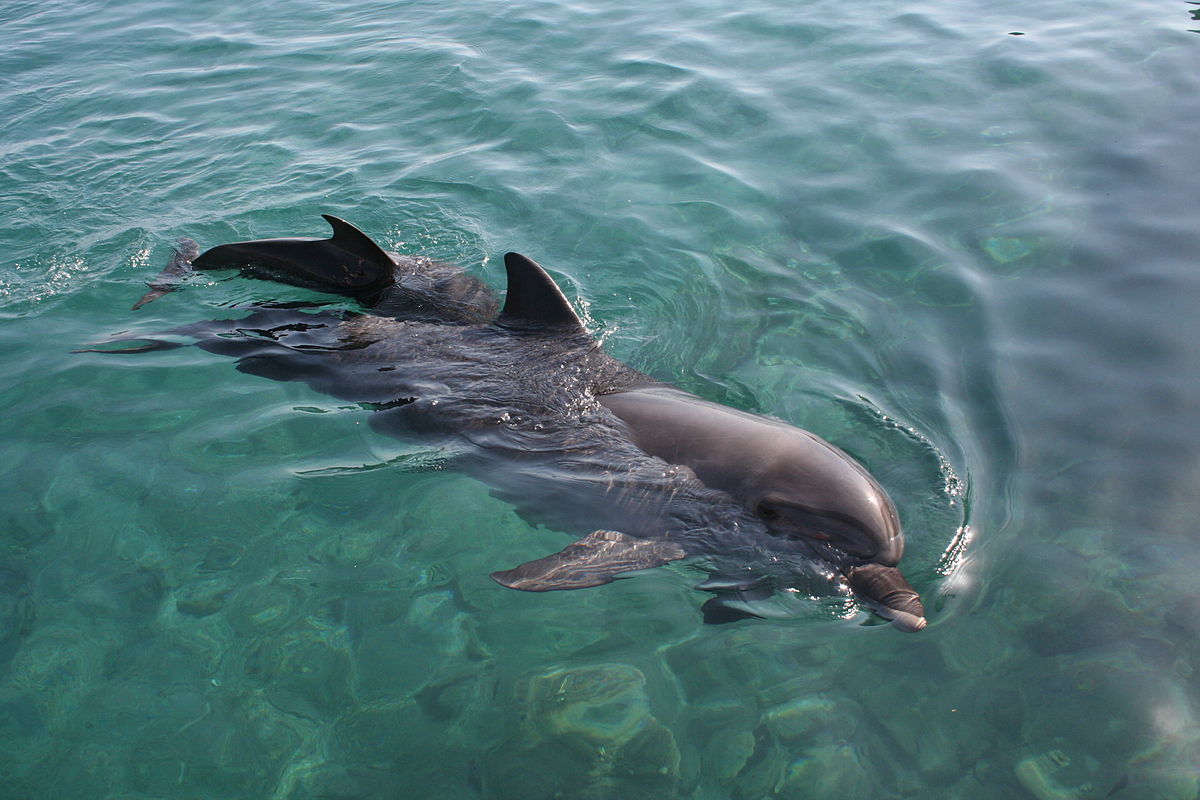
(811, 490)
(801, 486)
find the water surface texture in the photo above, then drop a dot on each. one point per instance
(957, 240)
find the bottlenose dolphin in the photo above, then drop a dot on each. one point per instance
(557, 426)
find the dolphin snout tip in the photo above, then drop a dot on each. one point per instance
(909, 623)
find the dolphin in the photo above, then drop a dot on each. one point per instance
(553, 422)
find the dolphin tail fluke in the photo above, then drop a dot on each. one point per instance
(180, 266)
(594, 560)
(348, 262)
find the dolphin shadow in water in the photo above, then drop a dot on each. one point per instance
(560, 428)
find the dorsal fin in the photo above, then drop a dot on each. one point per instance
(352, 240)
(533, 296)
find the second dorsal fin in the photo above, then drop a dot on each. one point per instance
(352, 240)
(534, 299)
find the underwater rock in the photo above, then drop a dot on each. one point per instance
(978, 650)
(440, 778)
(222, 752)
(25, 739)
(1177, 783)
(147, 737)
(1103, 624)
(17, 609)
(725, 664)
(352, 548)
(565, 629)
(1105, 718)
(70, 497)
(762, 773)
(1036, 774)
(587, 733)
(945, 745)
(828, 772)
(202, 598)
(378, 737)
(808, 720)
(644, 768)
(726, 732)
(726, 754)
(138, 592)
(1183, 618)
(59, 664)
(538, 770)
(808, 747)
(264, 607)
(395, 751)
(601, 705)
(402, 645)
(1053, 776)
(1090, 703)
(1004, 249)
(458, 697)
(448, 629)
(306, 673)
(222, 554)
(204, 642)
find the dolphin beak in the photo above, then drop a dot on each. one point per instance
(886, 589)
(902, 620)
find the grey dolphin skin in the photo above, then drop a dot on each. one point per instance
(560, 428)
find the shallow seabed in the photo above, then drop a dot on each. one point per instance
(967, 256)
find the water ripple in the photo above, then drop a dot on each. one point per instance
(965, 256)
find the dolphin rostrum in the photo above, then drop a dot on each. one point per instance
(558, 427)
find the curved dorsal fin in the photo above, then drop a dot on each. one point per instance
(533, 296)
(352, 240)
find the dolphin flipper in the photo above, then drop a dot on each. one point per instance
(733, 595)
(594, 560)
(719, 611)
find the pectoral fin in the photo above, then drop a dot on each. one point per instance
(735, 597)
(719, 611)
(594, 560)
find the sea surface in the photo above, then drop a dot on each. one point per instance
(960, 241)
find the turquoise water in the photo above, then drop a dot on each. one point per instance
(967, 257)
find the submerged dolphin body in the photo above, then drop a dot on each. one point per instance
(555, 424)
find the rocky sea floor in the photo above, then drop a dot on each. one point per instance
(310, 667)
